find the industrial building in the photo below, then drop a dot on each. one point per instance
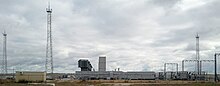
(84, 65)
(102, 63)
(30, 76)
(86, 72)
(114, 75)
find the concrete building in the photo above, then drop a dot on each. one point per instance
(30, 76)
(102, 63)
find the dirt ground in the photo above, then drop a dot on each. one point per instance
(112, 83)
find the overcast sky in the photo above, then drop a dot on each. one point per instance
(135, 35)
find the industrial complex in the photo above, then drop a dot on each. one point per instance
(87, 74)
(87, 71)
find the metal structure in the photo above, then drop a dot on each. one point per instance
(4, 59)
(198, 66)
(187, 61)
(215, 57)
(204, 61)
(49, 47)
(198, 75)
(165, 65)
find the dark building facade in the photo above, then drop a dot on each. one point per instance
(85, 65)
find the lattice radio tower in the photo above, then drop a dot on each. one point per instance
(49, 47)
(4, 60)
(197, 54)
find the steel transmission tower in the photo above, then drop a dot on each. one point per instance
(197, 54)
(4, 60)
(49, 47)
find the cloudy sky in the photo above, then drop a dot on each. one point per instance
(135, 35)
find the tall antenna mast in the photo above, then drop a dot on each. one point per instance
(4, 60)
(197, 53)
(49, 47)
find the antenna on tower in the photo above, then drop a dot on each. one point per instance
(49, 47)
(48, 9)
(48, 4)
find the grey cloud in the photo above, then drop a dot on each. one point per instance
(165, 3)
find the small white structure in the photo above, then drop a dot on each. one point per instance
(32, 76)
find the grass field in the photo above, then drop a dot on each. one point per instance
(112, 83)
